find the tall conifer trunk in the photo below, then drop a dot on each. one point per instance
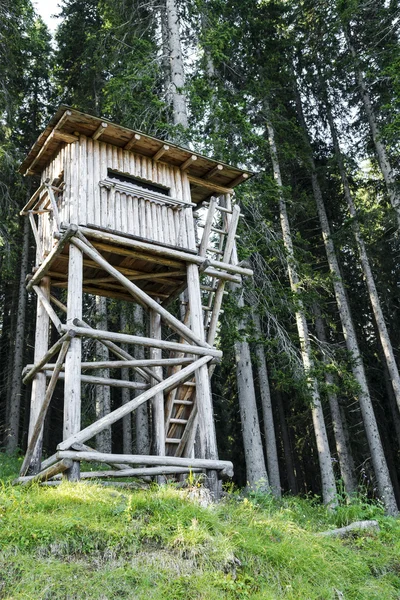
(266, 403)
(16, 382)
(324, 456)
(371, 427)
(365, 264)
(177, 74)
(342, 447)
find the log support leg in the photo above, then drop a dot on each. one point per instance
(203, 390)
(72, 385)
(39, 383)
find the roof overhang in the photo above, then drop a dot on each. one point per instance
(207, 176)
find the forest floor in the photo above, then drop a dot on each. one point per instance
(83, 541)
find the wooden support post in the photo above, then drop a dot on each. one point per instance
(158, 400)
(39, 383)
(203, 392)
(43, 409)
(72, 386)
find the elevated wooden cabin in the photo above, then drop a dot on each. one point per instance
(114, 216)
(111, 179)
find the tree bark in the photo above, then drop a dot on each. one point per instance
(365, 264)
(16, 380)
(344, 453)
(371, 427)
(102, 392)
(177, 74)
(324, 456)
(269, 427)
(256, 472)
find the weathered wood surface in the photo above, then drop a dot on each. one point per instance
(139, 459)
(43, 409)
(38, 366)
(353, 529)
(72, 384)
(125, 338)
(125, 364)
(46, 474)
(162, 252)
(39, 382)
(47, 306)
(139, 294)
(117, 383)
(127, 408)
(46, 264)
(141, 472)
(145, 372)
(157, 400)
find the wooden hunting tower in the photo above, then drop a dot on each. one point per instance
(116, 215)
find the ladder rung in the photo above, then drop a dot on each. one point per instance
(189, 383)
(215, 251)
(184, 402)
(178, 421)
(207, 308)
(208, 288)
(172, 441)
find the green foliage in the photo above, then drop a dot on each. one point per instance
(85, 541)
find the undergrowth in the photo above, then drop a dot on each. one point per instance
(83, 541)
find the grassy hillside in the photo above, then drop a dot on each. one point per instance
(84, 541)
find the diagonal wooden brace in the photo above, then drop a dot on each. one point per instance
(43, 409)
(138, 293)
(130, 406)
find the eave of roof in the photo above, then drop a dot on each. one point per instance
(204, 173)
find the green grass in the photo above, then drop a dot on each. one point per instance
(83, 541)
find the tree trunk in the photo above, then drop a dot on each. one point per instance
(366, 267)
(344, 453)
(102, 392)
(256, 473)
(269, 428)
(381, 153)
(16, 381)
(290, 469)
(324, 456)
(371, 427)
(176, 66)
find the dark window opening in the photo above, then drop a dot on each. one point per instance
(153, 187)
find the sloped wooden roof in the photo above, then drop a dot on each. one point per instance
(205, 174)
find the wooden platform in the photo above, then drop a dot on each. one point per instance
(159, 276)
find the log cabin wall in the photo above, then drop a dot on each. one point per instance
(91, 198)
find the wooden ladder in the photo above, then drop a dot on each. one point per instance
(180, 404)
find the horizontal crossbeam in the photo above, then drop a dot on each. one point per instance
(126, 409)
(125, 338)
